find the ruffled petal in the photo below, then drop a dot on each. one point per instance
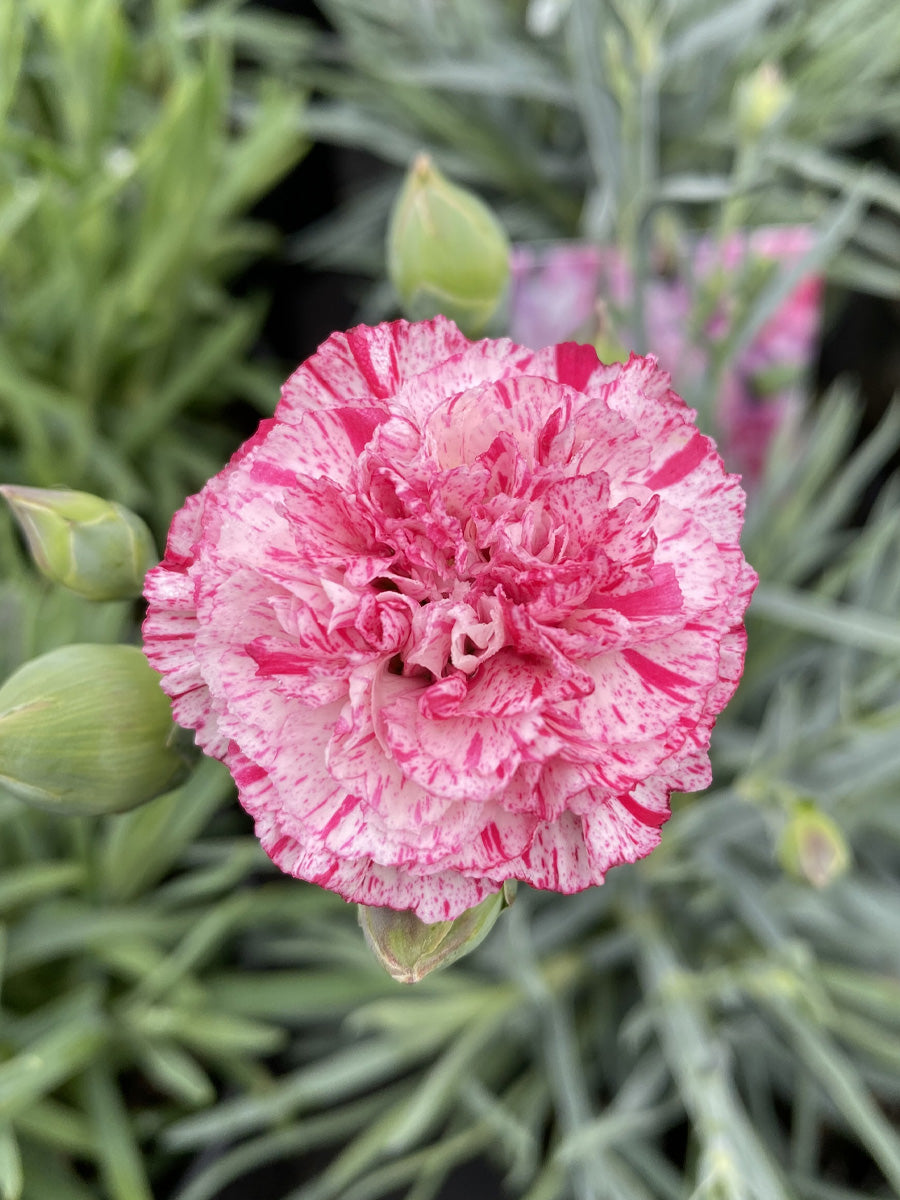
(367, 365)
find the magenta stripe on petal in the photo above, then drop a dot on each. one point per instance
(645, 815)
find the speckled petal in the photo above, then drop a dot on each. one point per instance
(366, 365)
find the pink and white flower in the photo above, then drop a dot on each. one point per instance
(459, 613)
(555, 293)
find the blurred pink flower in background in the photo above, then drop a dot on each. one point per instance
(459, 613)
(556, 292)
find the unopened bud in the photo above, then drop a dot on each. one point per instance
(408, 949)
(812, 847)
(760, 99)
(94, 547)
(87, 729)
(447, 252)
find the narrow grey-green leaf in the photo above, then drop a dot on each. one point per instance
(12, 1177)
(120, 1157)
(48, 1062)
(812, 614)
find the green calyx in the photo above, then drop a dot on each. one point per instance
(94, 547)
(812, 846)
(87, 729)
(410, 949)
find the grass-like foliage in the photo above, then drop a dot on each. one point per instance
(609, 117)
(133, 140)
(708, 1025)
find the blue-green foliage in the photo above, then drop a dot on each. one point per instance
(706, 1025)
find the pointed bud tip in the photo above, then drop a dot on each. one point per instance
(422, 167)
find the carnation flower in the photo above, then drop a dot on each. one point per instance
(459, 613)
(556, 290)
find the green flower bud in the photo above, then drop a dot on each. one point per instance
(447, 252)
(408, 949)
(87, 729)
(812, 847)
(94, 547)
(760, 99)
